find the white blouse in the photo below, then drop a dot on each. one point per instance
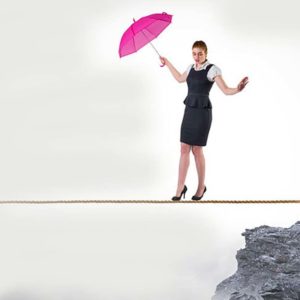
(213, 71)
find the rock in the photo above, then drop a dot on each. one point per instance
(268, 266)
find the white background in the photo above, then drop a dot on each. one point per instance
(78, 122)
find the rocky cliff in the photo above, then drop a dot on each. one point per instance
(268, 266)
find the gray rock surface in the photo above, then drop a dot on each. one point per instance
(268, 266)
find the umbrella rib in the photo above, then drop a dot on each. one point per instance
(154, 20)
(133, 36)
(152, 32)
(147, 29)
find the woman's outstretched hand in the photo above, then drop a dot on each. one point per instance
(242, 83)
(163, 60)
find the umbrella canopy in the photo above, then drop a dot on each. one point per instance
(142, 32)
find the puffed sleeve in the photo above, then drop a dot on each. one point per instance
(213, 71)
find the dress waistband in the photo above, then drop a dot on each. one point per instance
(198, 94)
(197, 100)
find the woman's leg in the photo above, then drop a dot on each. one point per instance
(183, 166)
(200, 165)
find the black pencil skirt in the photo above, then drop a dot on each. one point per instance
(195, 125)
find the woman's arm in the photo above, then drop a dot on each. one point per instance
(227, 90)
(179, 77)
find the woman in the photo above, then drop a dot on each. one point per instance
(197, 118)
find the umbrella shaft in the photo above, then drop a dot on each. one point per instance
(150, 43)
(154, 49)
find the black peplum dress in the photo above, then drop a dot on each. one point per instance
(197, 116)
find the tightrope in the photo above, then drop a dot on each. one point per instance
(148, 202)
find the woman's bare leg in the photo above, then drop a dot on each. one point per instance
(183, 166)
(200, 165)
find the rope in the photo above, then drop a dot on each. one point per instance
(148, 202)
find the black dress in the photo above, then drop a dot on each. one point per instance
(197, 116)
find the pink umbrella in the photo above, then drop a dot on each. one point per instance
(142, 32)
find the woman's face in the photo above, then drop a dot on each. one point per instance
(199, 55)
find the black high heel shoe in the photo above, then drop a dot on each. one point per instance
(182, 193)
(199, 198)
